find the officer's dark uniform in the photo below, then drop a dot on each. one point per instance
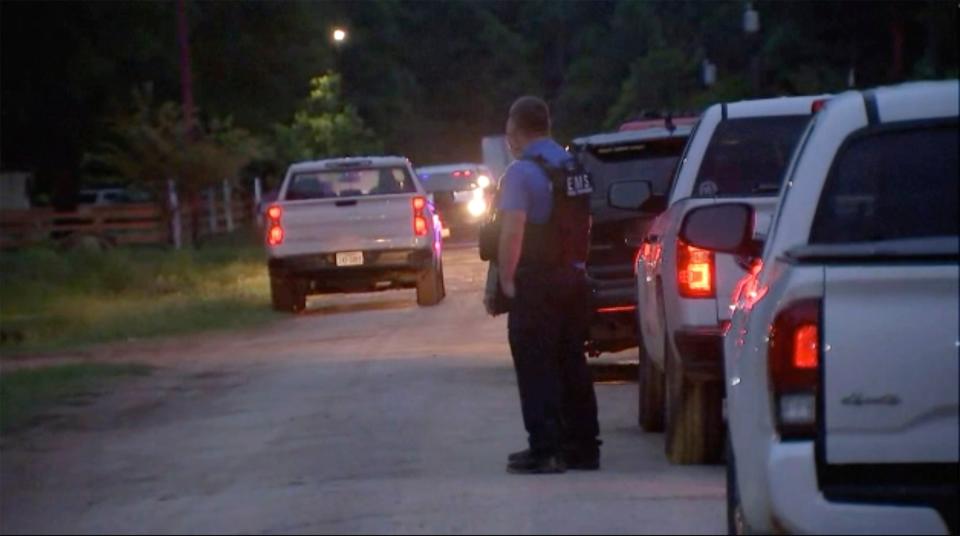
(548, 319)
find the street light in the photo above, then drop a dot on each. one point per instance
(339, 35)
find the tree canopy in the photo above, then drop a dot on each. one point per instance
(428, 79)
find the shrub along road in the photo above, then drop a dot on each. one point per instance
(366, 414)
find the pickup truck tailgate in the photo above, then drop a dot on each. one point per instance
(341, 224)
(890, 363)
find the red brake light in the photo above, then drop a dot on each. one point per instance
(419, 221)
(695, 271)
(274, 228)
(805, 347)
(794, 362)
(817, 105)
(274, 212)
(419, 226)
(275, 235)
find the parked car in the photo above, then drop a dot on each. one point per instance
(352, 225)
(463, 194)
(111, 196)
(842, 355)
(650, 154)
(737, 151)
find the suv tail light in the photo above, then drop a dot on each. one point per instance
(794, 361)
(274, 227)
(419, 219)
(695, 271)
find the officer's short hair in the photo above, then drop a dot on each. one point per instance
(531, 115)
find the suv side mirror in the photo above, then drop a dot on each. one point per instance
(635, 195)
(725, 227)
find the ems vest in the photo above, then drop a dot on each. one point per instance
(564, 239)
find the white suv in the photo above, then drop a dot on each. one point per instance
(737, 151)
(842, 356)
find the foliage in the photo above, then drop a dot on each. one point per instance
(431, 78)
(154, 143)
(324, 127)
(53, 299)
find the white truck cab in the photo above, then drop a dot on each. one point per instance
(355, 224)
(841, 359)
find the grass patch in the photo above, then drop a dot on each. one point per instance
(25, 393)
(51, 299)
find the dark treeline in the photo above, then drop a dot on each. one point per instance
(429, 79)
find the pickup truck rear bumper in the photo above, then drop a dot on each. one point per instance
(700, 349)
(381, 270)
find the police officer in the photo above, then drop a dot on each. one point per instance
(547, 321)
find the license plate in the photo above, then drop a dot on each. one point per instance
(350, 258)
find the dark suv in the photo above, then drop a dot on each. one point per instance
(651, 154)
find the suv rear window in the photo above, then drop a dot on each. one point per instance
(654, 161)
(350, 183)
(891, 185)
(747, 156)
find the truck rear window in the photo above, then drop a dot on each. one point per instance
(653, 160)
(891, 185)
(353, 182)
(748, 156)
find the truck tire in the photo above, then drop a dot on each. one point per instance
(693, 417)
(650, 390)
(286, 295)
(430, 286)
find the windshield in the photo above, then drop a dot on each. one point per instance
(350, 183)
(748, 156)
(653, 161)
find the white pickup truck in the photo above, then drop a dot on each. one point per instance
(843, 352)
(352, 225)
(738, 151)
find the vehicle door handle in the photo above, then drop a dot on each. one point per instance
(346, 203)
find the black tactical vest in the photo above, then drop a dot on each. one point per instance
(564, 239)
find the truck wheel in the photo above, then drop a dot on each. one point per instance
(650, 389)
(286, 295)
(430, 287)
(694, 420)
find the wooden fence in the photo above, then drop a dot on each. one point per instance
(121, 224)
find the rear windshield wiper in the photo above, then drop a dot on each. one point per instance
(766, 188)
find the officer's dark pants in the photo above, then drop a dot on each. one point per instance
(547, 326)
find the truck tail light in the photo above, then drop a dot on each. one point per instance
(274, 227)
(419, 219)
(695, 271)
(794, 361)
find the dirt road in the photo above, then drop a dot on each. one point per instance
(367, 414)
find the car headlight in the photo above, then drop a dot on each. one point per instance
(483, 181)
(477, 207)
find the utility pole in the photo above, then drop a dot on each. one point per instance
(186, 77)
(186, 92)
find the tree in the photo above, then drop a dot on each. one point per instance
(324, 127)
(151, 144)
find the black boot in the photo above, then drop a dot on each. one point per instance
(528, 462)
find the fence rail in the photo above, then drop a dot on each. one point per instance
(122, 224)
